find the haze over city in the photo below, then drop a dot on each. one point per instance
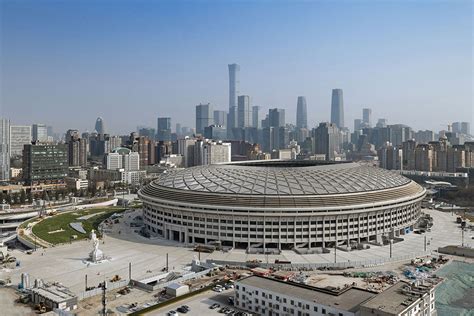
(66, 62)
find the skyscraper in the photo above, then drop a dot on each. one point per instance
(220, 118)
(4, 149)
(326, 140)
(367, 117)
(204, 117)
(163, 128)
(19, 136)
(233, 84)
(337, 108)
(40, 133)
(77, 149)
(276, 117)
(301, 114)
(244, 114)
(100, 126)
(255, 116)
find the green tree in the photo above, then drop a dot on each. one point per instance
(22, 196)
(30, 197)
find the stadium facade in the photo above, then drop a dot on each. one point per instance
(281, 204)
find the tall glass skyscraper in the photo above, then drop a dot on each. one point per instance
(244, 113)
(233, 84)
(337, 108)
(99, 126)
(301, 114)
(204, 117)
(4, 149)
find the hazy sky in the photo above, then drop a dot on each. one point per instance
(66, 62)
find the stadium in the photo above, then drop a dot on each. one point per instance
(281, 205)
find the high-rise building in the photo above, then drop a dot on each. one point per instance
(424, 158)
(100, 126)
(77, 149)
(255, 116)
(326, 140)
(276, 117)
(409, 159)
(301, 113)
(233, 84)
(337, 108)
(44, 163)
(40, 133)
(381, 123)
(19, 136)
(209, 152)
(357, 125)
(367, 117)
(204, 117)
(163, 129)
(220, 118)
(244, 114)
(186, 149)
(147, 132)
(4, 149)
(123, 158)
(461, 128)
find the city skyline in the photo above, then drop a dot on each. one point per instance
(390, 68)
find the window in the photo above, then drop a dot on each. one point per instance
(324, 311)
(315, 309)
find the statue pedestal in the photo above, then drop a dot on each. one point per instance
(96, 255)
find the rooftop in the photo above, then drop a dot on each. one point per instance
(348, 299)
(397, 297)
(284, 178)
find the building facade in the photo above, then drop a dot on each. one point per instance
(337, 108)
(301, 113)
(4, 149)
(44, 164)
(19, 136)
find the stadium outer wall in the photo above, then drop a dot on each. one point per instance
(236, 221)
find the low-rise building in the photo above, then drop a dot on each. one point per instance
(54, 297)
(269, 296)
(401, 299)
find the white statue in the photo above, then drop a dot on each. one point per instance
(96, 254)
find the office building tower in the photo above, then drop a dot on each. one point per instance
(367, 117)
(231, 121)
(233, 84)
(123, 158)
(301, 113)
(220, 118)
(456, 158)
(255, 116)
(244, 114)
(381, 123)
(77, 149)
(44, 163)
(209, 152)
(276, 117)
(325, 138)
(178, 129)
(461, 128)
(40, 133)
(215, 132)
(424, 137)
(4, 149)
(19, 136)
(186, 149)
(163, 129)
(465, 128)
(357, 125)
(337, 108)
(100, 126)
(147, 132)
(204, 117)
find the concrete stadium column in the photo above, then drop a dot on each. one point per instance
(279, 232)
(348, 230)
(294, 231)
(324, 232)
(248, 231)
(358, 229)
(264, 233)
(309, 231)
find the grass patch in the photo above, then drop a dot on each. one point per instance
(61, 221)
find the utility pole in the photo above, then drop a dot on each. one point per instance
(425, 243)
(167, 267)
(335, 252)
(391, 243)
(104, 299)
(35, 242)
(86, 281)
(129, 271)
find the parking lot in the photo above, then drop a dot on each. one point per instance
(200, 304)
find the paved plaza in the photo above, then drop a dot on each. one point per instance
(65, 264)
